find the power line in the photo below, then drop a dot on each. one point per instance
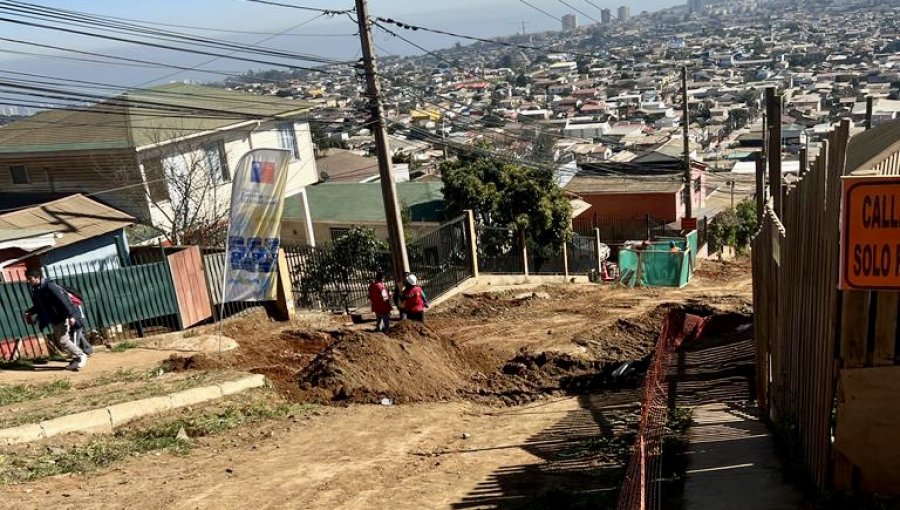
(407, 26)
(595, 6)
(161, 46)
(77, 18)
(542, 11)
(301, 7)
(579, 11)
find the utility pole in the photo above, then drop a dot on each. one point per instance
(773, 102)
(399, 258)
(869, 107)
(685, 120)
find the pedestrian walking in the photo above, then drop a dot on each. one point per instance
(52, 307)
(381, 303)
(414, 300)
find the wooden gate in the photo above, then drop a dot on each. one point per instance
(190, 286)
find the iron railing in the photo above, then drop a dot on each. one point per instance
(499, 250)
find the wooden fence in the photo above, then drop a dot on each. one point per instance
(813, 341)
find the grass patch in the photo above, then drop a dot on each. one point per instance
(13, 394)
(123, 346)
(106, 450)
(28, 364)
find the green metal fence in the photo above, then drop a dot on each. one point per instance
(123, 303)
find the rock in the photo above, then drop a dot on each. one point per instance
(523, 296)
(229, 471)
(540, 295)
(466, 435)
(55, 451)
(182, 435)
(387, 402)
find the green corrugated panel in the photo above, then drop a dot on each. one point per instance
(15, 298)
(125, 295)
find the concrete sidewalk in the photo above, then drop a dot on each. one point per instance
(732, 463)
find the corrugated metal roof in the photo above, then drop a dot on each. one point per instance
(358, 202)
(868, 148)
(606, 184)
(138, 118)
(76, 217)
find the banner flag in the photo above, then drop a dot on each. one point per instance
(254, 232)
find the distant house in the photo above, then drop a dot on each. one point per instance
(661, 197)
(59, 232)
(340, 165)
(154, 151)
(335, 208)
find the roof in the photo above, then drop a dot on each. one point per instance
(361, 203)
(608, 185)
(76, 218)
(346, 166)
(868, 147)
(138, 118)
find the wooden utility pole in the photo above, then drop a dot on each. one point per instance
(685, 120)
(760, 186)
(869, 107)
(399, 258)
(773, 108)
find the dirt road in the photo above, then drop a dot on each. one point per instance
(558, 452)
(365, 457)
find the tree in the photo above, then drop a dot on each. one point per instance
(504, 194)
(186, 186)
(335, 269)
(734, 227)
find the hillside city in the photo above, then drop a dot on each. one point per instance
(375, 254)
(610, 91)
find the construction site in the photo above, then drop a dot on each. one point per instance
(517, 396)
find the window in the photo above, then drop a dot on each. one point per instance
(19, 174)
(336, 233)
(217, 161)
(287, 139)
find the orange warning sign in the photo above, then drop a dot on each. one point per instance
(870, 234)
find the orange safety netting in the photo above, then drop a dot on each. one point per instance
(641, 489)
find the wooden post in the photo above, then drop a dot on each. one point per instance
(804, 160)
(524, 248)
(565, 257)
(473, 241)
(774, 157)
(284, 297)
(774, 152)
(869, 108)
(760, 187)
(597, 244)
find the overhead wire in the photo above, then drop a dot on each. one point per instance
(542, 11)
(408, 26)
(579, 11)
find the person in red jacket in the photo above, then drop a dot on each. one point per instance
(381, 303)
(414, 300)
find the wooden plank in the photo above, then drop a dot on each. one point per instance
(885, 328)
(868, 424)
(854, 328)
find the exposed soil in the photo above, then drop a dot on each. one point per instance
(462, 439)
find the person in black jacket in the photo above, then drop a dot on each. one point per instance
(53, 308)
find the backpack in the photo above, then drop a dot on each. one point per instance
(74, 295)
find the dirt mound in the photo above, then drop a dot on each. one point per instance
(411, 364)
(625, 339)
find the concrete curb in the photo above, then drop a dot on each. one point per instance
(99, 421)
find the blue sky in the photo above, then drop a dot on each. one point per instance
(484, 18)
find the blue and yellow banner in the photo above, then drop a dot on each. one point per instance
(254, 232)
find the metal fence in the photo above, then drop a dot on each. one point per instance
(582, 254)
(442, 259)
(499, 250)
(545, 259)
(615, 229)
(324, 279)
(128, 302)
